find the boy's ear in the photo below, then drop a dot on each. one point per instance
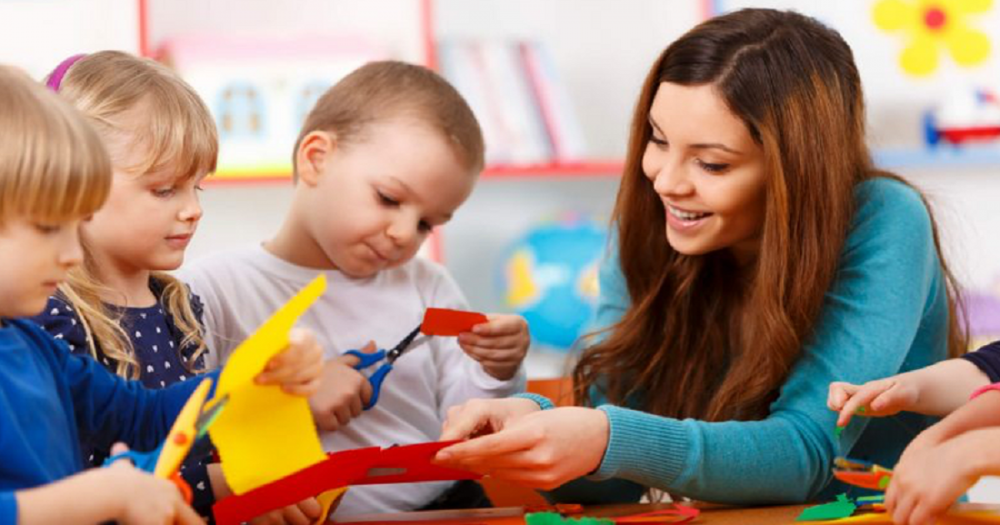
(314, 152)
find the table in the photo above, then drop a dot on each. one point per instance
(710, 515)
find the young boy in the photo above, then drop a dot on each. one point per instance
(386, 155)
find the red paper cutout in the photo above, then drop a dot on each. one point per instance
(441, 321)
(677, 514)
(402, 464)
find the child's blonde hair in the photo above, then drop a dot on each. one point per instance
(54, 166)
(178, 131)
(384, 90)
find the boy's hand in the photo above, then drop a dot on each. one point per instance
(302, 513)
(883, 397)
(499, 344)
(144, 498)
(342, 394)
(298, 368)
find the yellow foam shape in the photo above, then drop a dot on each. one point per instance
(264, 434)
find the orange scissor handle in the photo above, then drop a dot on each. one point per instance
(182, 486)
(878, 480)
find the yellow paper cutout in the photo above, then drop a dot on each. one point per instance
(264, 434)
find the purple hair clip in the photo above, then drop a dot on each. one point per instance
(57, 74)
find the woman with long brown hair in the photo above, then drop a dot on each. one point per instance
(759, 256)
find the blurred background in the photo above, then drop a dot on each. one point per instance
(553, 83)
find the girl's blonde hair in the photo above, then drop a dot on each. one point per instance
(54, 166)
(178, 132)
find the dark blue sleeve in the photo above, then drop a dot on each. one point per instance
(129, 412)
(987, 358)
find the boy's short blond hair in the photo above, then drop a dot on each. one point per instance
(177, 128)
(380, 91)
(54, 165)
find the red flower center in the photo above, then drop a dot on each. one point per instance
(935, 18)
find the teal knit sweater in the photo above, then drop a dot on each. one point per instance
(885, 313)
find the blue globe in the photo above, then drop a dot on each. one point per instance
(549, 276)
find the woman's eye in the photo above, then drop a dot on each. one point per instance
(712, 167)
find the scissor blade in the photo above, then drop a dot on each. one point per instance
(209, 414)
(403, 346)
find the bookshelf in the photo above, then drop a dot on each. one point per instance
(423, 48)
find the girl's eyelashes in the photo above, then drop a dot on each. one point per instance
(164, 192)
(425, 226)
(658, 141)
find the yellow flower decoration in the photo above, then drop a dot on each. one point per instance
(931, 24)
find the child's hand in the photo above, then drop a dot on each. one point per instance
(499, 344)
(303, 513)
(927, 481)
(342, 394)
(883, 397)
(144, 498)
(479, 417)
(298, 368)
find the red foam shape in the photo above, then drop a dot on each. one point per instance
(441, 321)
(677, 514)
(340, 469)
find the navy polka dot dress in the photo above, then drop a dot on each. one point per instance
(163, 361)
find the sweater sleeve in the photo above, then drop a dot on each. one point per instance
(8, 507)
(104, 402)
(888, 277)
(987, 359)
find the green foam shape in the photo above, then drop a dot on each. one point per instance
(842, 508)
(554, 518)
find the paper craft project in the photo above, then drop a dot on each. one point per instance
(842, 508)
(441, 321)
(491, 515)
(363, 466)
(265, 434)
(675, 514)
(861, 473)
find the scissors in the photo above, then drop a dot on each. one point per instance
(191, 425)
(388, 356)
(862, 473)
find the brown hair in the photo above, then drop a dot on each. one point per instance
(704, 340)
(54, 166)
(380, 91)
(178, 131)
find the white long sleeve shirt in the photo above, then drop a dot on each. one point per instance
(241, 289)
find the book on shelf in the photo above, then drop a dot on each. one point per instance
(515, 91)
